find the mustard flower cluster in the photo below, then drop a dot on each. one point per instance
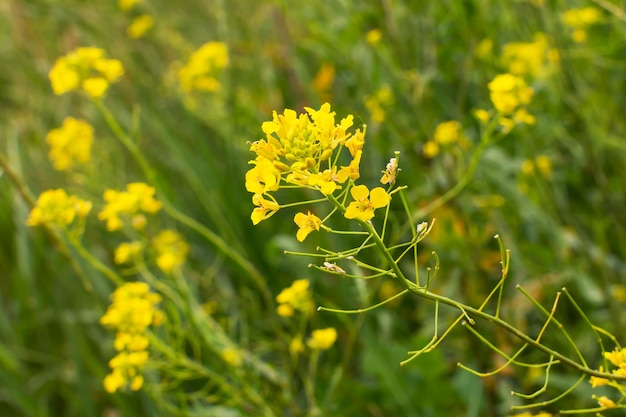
(56, 207)
(446, 134)
(132, 204)
(171, 250)
(534, 59)
(86, 69)
(204, 65)
(132, 311)
(579, 20)
(297, 297)
(510, 94)
(322, 339)
(303, 151)
(140, 26)
(69, 143)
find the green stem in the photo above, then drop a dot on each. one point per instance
(219, 243)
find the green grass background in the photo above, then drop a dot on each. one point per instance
(566, 230)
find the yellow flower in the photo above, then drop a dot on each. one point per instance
(391, 172)
(136, 200)
(132, 310)
(482, 115)
(447, 133)
(373, 36)
(127, 4)
(544, 166)
(86, 69)
(605, 402)
(140, 25)
(430, 149)
(58, 208)
(324, 78)
(171, 250)
(264, 177)
(377, 102)
(306, 224)
(508, 92)
(71, 142)
(617, 356)
(232, 356)
(204, 65)
(325, 181)
(295, 297)
(352, 170)
(264, 210)
(127, 251)
(322, 339)
(532, 58)
(363, 208)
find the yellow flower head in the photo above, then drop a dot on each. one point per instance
(264, 210)
(204, 65)
(509, 92)
(139, 26)
(127, 251)
(58, 208)
(85, 69)
(604, 401)
(617, 356)
(296, 297)
(136, 200)
(322, 339)
(132, 311)
(69, 143)
(391, 172)
(363, 207)
(529, 58)
(447, 133)
(306, 224)
(232, 357)
(373, 36)
(171, 250)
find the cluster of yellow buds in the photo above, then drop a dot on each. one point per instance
(510, 94)
(297, 297)
(69, 143)
(200, 72)
(134, 202)
(85, 69)
(132, 311)
(56, 207)
(580, 19)
(303, 150)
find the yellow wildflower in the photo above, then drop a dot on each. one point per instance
(529, 58)
(373, 36)
(391, 172)
(127, 251)
(377, 102)
(324, 78)
(232, 356)
(322, 339)
(447, 133)
(127, 4)
(363, 207)
(136, 200)
(605, 402)
(509, 92)
(617, 356)
(306, 224)
(264, 210)
(86, 69)
(296, 297)
(204, 65)
(140, 25)
(58, 208)
(70, 142)
(430, 149)
(171, 250)
(132, 310)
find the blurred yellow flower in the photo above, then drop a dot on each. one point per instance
(58, 208)
(447, 133)
(579, 20)
(127, 4)
(530, 58)
(324, 79)
(127, 251)
(204, 65)
(70, 142)
(296, 297)
(140, 25)
(605, 402)
(171, 250)
(322, 339)
(232, 356)
(132, 311)
(86, 69)
(508, 92)
(373, 36)
(136, 200)
(377, 102)
(430, 149)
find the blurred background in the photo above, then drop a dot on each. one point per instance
(553, 190)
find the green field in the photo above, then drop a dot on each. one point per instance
(183, 184)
